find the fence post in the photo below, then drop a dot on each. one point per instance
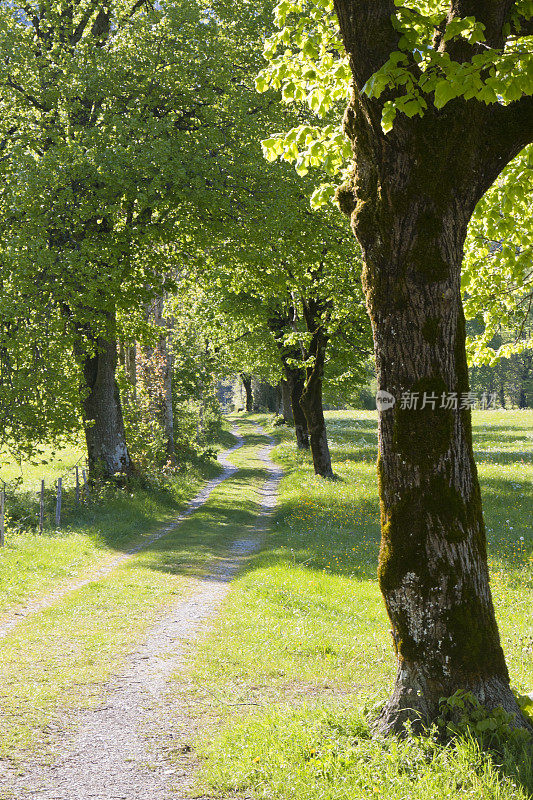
(2, 514)
(58, 502)
(85, 486)
(77, 486)
(41, 508)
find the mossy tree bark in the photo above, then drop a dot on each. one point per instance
(279, 322)
(410, 200)
(311, 399)
(102, 411)
(247, 383)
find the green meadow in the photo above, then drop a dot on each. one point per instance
(301, 656)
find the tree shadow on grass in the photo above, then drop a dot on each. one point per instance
(505, 457)
(343, 536)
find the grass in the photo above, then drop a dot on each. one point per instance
(305, 637)
(111, 522)
(52, 463)
(55, 662)
(327, 752)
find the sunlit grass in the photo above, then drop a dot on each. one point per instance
(31, 564)
(107, 523)
(326, 752)
(52, 463)
(304, 629)
(56, 661)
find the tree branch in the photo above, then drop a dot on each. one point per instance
(82, 24)
(522, 26)
(29, 97)
(512, 128)
(368, 34)
(493, 15)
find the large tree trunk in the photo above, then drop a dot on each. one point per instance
(433, 564)
(286, 408)
(247, 383)
(433, 569)
(102, 412)
(311, 399)
(410, 200)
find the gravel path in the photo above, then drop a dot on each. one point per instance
(112, 755)
(13, 618)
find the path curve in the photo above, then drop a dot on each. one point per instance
(108, 756)
(13, 618)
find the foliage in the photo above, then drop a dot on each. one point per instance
(144, 432)
(145, 161)
(307, 62)
(39, 380)
(463, 715)
(510, 379)
(497, 275)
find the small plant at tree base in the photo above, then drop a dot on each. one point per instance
(463, 715)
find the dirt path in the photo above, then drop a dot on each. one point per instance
(10, 620)
(111, 756)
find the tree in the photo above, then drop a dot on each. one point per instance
(247, 383)
(304, 314)
(314, 312)
(280, 323)
(81, 131)
(439, 105)
(286, 404)
(107, 451)
(130, 146)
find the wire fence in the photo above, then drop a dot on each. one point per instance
(47, 502)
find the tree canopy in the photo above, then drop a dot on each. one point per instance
(437, 56)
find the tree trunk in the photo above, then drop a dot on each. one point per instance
(286, 408)
(410, 198)
(290, 355)
(311, 399)
(247, 383)
(433, 569)
(501, 392)
(127, 355)
(279, 399)
(102, 412)
(296, 382)
(167, 410)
